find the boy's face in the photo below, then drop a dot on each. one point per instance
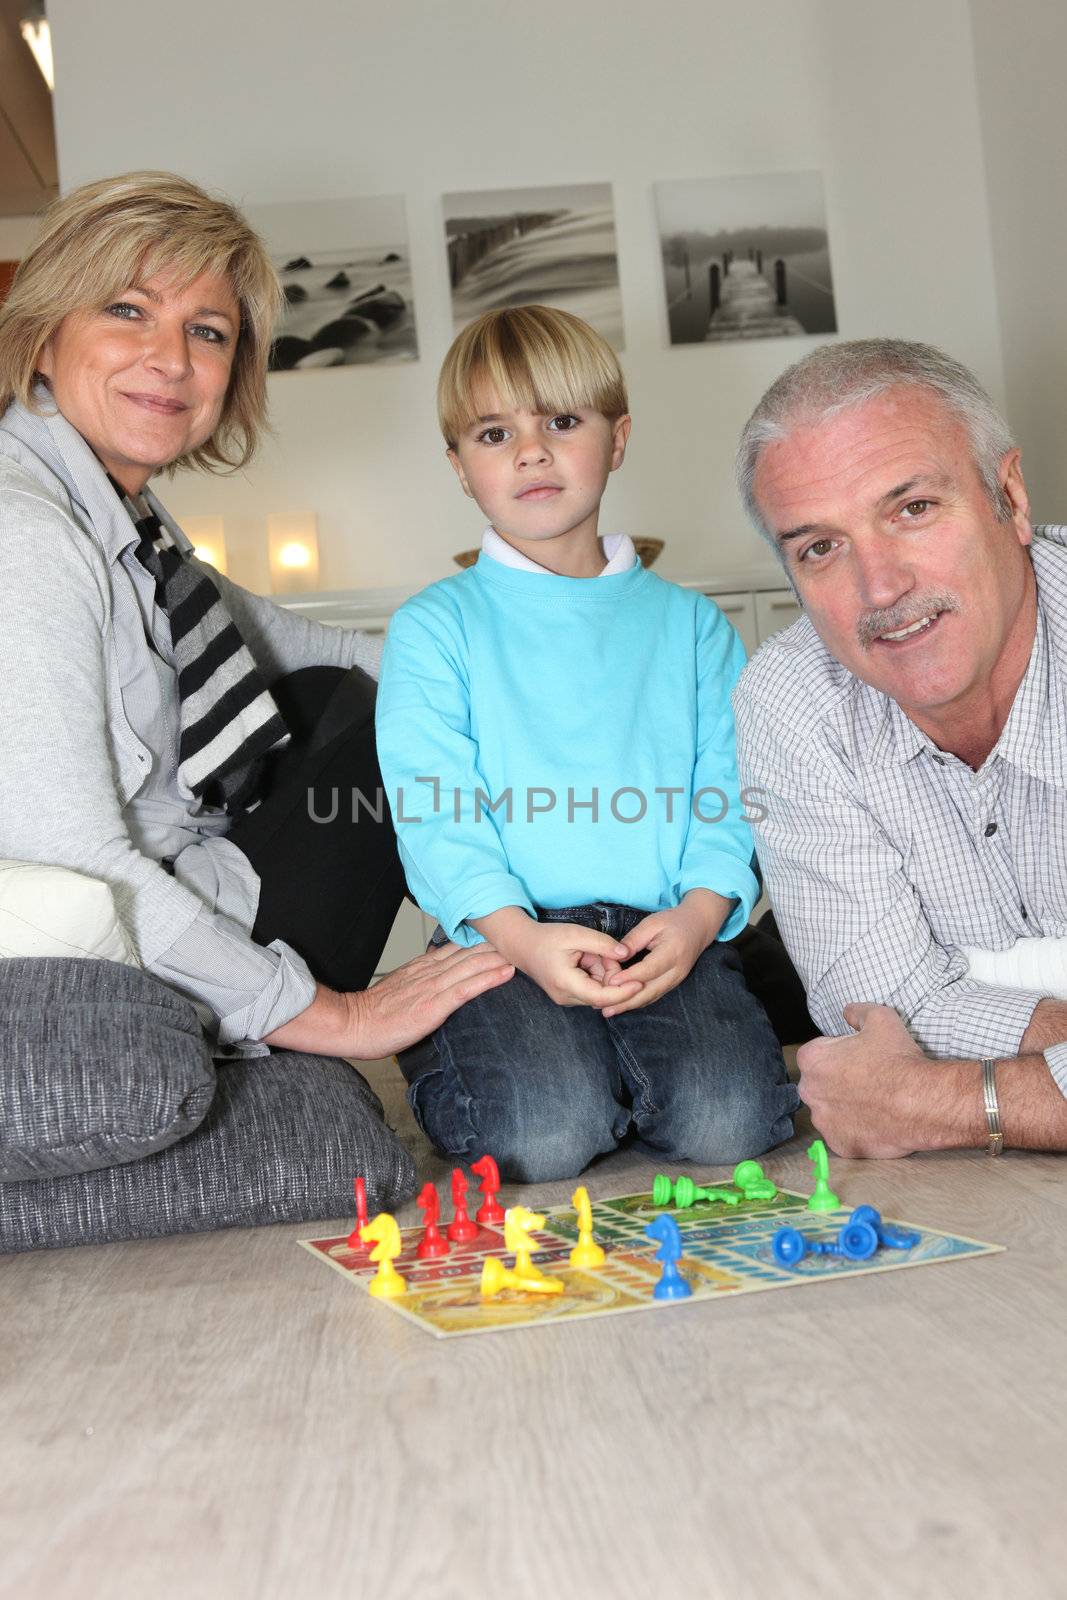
(539, 477)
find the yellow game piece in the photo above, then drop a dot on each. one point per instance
(496, 1276)
(384, 1234)
(586, 1253)
(518, 1225)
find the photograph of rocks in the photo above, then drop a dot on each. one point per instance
(345, 268)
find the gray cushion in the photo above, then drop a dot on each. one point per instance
(113, 1124)
(282, 1141)
(99, 1064)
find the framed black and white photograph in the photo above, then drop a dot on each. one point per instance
(745, 257)
(345, 268)
(533, 246)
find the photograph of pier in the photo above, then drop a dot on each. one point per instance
(345, 268)
(546, 246)
(745, 257)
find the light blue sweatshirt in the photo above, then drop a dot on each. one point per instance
(525, 724)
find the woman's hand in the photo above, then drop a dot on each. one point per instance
(399, 1010)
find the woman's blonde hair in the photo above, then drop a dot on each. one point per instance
(537, 359)
(104, 237)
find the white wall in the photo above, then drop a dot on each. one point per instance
(270, 101)
(1021, 57)
(15, 236)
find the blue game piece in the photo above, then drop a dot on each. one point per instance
(898, 1238)
(671, 1286)
(889, 1237)
(857, 1240)
(867, 1214)
(788, 1247)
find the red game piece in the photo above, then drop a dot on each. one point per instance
(489, 1172)
(355, 1238)
(433, 1242)
(461, 1227)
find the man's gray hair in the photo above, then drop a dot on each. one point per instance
(838, 376)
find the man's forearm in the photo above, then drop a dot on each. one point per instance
(947, 1108)
(1033, 1111)
(1047, 1026)
(874, 1093)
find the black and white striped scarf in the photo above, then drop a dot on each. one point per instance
(228, 718)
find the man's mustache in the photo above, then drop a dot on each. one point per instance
(891, 619)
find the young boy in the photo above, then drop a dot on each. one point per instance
(555, 736)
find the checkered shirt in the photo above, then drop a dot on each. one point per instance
(885, 857)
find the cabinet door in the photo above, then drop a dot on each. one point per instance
(741, 611)
(409, 938)
(775, 610)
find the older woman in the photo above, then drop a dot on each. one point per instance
(162, 730)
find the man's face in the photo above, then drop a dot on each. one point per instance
(896, 551)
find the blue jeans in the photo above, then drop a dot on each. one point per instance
(696, 1076)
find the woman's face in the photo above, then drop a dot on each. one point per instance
(144, 379)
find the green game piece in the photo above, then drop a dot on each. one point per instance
(749, 1178)
(685, 1193)
(822, 1197)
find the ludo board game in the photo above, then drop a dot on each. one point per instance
(726, 1248)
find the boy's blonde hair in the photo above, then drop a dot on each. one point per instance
(537, 359)
(101, 239)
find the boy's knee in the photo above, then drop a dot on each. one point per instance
(537, 1139)
(538, 1125)
(720, 1119)
(543, 1155)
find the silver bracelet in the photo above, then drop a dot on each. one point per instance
(992, 1108)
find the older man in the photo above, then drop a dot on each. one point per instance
(910, 734)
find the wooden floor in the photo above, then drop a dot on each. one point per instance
(219, 1416)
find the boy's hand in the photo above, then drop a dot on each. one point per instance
(553, 955)
(674, 940)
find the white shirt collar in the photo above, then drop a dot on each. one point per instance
(618, 550)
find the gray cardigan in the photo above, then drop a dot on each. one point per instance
(89, 730)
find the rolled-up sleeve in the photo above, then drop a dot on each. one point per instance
(1056, 1060)
(249, 989)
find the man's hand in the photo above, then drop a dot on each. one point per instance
(674, 940)
(866, 1091)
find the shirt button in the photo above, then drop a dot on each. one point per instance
(940, 760)
(991, 829)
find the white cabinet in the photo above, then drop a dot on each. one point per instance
(740, 609)
(775, 609)
(758, 614)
